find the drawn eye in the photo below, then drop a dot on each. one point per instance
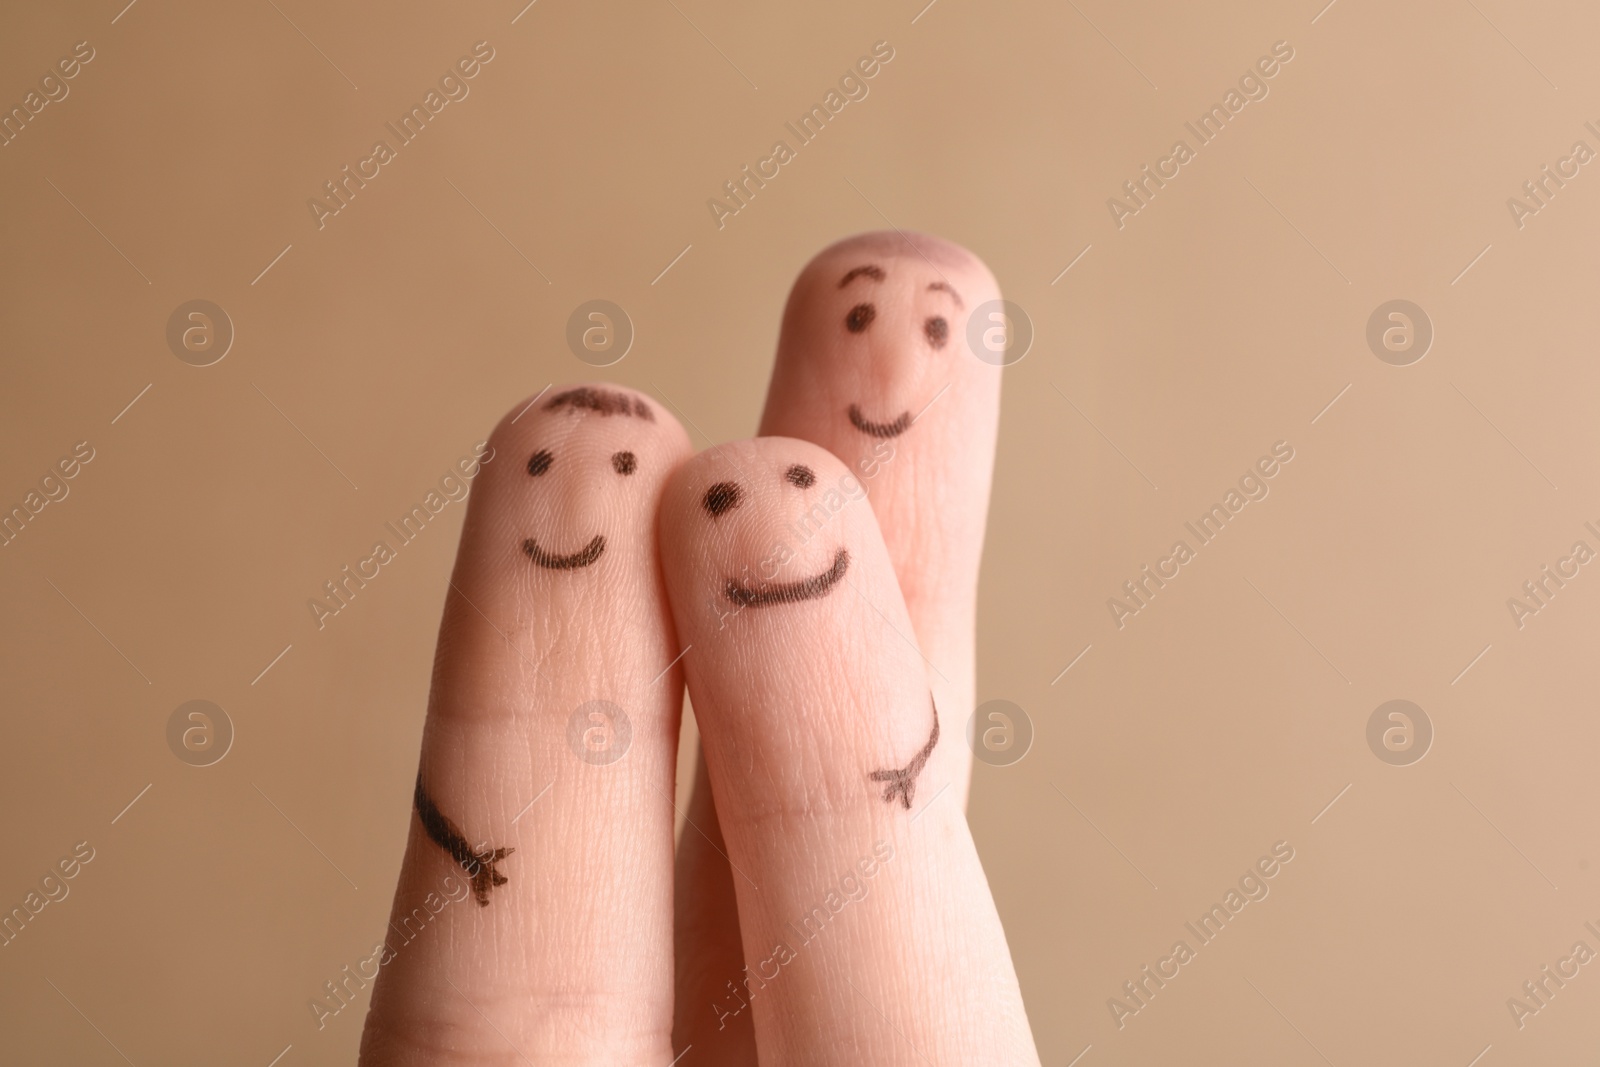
(624, 462)
(721, 498)
(801, 476)
(938, 331)
(860, 317)
(540, 462)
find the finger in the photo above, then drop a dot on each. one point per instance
(875, 365)
(532, 921)
(709, 952)
(867, 927)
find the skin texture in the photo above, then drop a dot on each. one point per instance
(816, 593)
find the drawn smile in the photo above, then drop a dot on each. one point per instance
(818, 585)
(581, 558)
(880, 429)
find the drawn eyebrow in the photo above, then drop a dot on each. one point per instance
(869, 270)
(948, 288)
(603, 401)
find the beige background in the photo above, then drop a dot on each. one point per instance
(1224, 317)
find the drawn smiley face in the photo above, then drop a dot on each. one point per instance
(933, 301)
(724, 497)
(623, 465)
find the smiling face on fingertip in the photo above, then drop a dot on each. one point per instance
(913, 283)
(553, 461)
(718, 504)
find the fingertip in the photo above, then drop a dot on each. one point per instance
(779, 577)
(762, 518)
(573, 463)
(880, 330)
